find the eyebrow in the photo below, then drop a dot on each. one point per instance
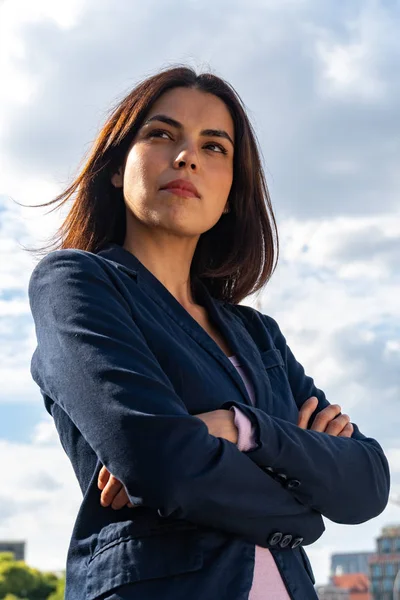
(220, 133)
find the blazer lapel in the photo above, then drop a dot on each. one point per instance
(230, 326)
(245, 349)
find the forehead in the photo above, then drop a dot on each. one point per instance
(193, 107)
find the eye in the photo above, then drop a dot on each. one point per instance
(221, 148)
(158, 133)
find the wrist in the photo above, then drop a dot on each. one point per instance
(231, 433)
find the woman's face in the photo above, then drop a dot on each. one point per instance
(162, 152)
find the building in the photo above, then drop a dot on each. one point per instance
(356, 584)
(331, 592)
(18, 548)
(352, 586)
(384, 566)
(349, 577)
(350, 562)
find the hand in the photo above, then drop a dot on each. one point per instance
(221, 423)
(325, 421)
(113, 492)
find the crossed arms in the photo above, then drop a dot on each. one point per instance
(89, 346)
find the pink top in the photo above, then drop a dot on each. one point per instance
(267, 581)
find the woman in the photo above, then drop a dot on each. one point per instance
(215, 454)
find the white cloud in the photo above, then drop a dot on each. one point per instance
(347, 71)
(45, 434)
(393, 455)
(42, 495)
(64, 14)
(352, 65)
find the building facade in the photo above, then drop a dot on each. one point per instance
(331, 592)
(18, 548)
(350, 562)
(384, 566)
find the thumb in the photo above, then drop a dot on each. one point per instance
(306, 411)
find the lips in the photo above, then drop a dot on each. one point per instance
(181, 184)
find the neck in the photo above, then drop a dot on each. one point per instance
(169, 267)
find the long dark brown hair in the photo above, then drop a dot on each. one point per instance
(237, 256)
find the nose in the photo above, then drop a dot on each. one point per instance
(186, 156)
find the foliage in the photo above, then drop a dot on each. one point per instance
(59, 593)
(18, 581)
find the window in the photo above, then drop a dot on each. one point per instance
(387, 585)
(386, 545)
(376, 585)
(376, 570)
(390, 569)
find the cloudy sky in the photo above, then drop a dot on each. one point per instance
(321, 83)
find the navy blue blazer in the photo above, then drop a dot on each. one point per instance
(123, 369)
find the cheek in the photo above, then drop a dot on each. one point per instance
(140, 174)
(135, 168)
(224, 180)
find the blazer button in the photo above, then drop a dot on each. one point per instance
(275, 538)
(297, 542)
(269, 469)
(285, 541)
(293, 483)
(281, 477)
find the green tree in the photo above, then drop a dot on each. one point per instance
(60, 590)
(21, 582)
(16, 578)
(46, 584)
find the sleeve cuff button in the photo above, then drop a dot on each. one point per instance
(285, 541)
(275, 538)
(269, 469)
(293, 483)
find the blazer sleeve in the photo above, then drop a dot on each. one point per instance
(345, 479)
(92, 359)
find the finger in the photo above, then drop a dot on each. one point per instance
(324, 417)
(337, 425)
(103, 477)
(110, 491)
(120, 500)
(347, 431)
(306, 411)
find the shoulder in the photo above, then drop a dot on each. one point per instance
(72, 281)
(72, 272)
(73, 260)
(66, 257)
(58, 266)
